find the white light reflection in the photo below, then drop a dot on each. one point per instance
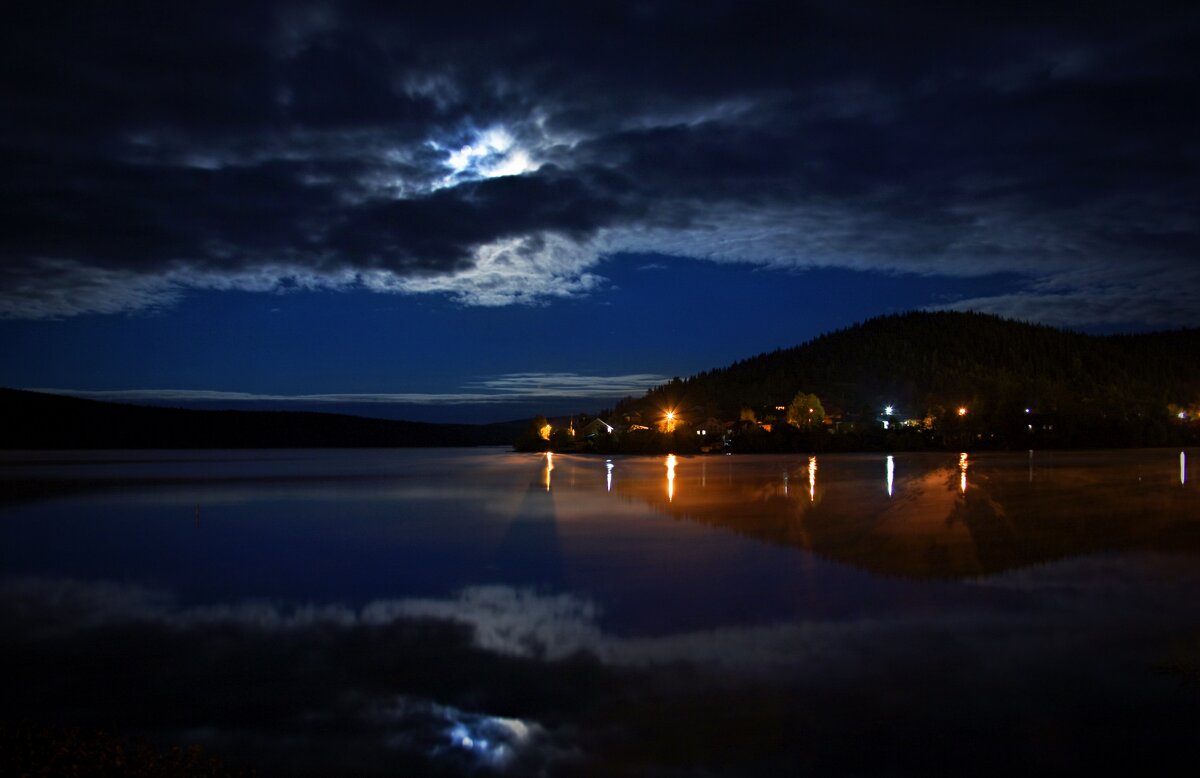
(785, 483)
(670, 478)
(962, 468)
(549, 467)
(891, 470)
(608, 465)
(1182, 468)
(812, 479)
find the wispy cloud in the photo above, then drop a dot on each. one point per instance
(511, 387)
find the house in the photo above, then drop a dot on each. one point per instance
(595, 427)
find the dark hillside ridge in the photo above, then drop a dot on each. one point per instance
(32, 420)
(927, 364)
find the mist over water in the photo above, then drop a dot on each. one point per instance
(483, 611)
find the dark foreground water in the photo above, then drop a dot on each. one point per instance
(447, 612)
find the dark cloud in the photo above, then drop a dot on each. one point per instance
(498, 154)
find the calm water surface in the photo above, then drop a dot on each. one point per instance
(452, 612)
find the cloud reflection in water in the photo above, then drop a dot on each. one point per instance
(514, 679)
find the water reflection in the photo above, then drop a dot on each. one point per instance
(457, 625)
(927, 523)
(501, 679)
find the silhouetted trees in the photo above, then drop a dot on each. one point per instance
(1023, 385)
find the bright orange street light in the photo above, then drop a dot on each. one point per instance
(962, 411)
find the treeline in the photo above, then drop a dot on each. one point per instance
(639, 441)
(1080, 390)
(33, 420)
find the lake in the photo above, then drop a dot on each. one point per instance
(472, 611)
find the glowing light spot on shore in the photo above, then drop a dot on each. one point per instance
(962, 411)
(891, 471)
(812, 479)
(962, 468)
(670, 478)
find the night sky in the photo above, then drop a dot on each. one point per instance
(474, 211)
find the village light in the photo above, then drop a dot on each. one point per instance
(962, 411)
(887, 411)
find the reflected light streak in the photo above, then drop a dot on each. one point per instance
(549, 467)
(670, 478)
(891, 470)
(812, 479)
(1182, 468)
(962, 467)
(785, 483)
(608, 465)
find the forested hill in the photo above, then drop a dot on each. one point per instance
(924, 363)
(32, 420)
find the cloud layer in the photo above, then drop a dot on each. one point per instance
(507, 388)
(498, 155)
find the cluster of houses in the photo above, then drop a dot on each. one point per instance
(714, 434)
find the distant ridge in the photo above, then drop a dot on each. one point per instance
(33, 420)
(1097, 389)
